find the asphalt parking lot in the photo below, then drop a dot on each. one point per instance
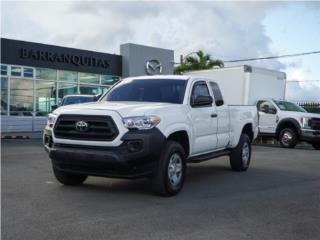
(278, 198)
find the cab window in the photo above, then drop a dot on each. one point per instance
(266, 107)
(199, 89)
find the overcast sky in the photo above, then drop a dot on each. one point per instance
(226, 30)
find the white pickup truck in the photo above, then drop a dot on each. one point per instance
(149, 127)
(288, 122)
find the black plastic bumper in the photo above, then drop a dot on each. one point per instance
(135, 157)
(310, 135)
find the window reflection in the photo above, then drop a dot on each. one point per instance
(90, 90)
(16, 71)
(68, 76)
(46, 73)
(4, 95)
(89, 78)
(45, 97)
(109, 79)
(4, 70)
(21, 97)
(66, 89)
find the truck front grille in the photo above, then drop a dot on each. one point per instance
(89, 128)
(315, 123)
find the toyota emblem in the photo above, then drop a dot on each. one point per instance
(153, 67)
(82, 126)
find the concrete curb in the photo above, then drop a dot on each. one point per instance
(14, 137)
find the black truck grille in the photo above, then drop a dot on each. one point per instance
(91, 128)
(315, 123)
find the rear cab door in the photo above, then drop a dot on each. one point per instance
(223, 118)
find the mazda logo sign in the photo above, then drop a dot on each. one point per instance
(153, 67)
(82, 126)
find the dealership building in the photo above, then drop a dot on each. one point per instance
(34, 76)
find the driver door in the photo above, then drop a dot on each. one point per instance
(267, 117)
(204, 121)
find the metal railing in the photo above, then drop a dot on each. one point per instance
(313, 107)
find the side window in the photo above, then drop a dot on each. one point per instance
(266, 107)
(199, 89)
(216, 93)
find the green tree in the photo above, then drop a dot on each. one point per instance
(198, 61)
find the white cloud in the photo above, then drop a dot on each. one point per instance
(227, 30)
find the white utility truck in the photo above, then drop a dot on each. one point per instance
(149, 127)
(264, 88)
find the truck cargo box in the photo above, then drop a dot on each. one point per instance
(245, 85)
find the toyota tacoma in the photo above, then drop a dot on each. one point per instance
(149, 127)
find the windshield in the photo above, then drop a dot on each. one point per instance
(289, 106)
(149, 90)
(77, 99)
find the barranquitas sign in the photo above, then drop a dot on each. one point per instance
(56, 57)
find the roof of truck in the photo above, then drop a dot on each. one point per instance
(178, 77)
(245, 68)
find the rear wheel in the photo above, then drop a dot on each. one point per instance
(288, 138)
(241, 155)
(316, 145)
(169, 176)
(69, 178)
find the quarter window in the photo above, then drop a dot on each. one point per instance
(216, 91)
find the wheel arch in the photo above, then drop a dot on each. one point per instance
(248, 129)
(182, 137)
(287, 123)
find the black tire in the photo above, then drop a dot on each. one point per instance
(69, 178)
(316, 145)
(288, 138)
(162, 184)
(240, 160)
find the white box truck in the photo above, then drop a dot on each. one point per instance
(264, 88)
(249, 84)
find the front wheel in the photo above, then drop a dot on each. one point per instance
(316, 145)
(69, 178)
(241, 155)
(288, 138)
(169, 176)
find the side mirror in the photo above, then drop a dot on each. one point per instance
(202, 101)
(54, 107)
(97, 97)
(219, 102)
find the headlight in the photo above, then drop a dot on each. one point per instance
(141, 122)
(305, 122)
(51, 120)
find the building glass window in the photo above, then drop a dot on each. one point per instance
(68, 76)
(28, 72)
(46, 73)
(109, 79)
(16, 71)
(66, 89)
(4, 70)
(90, 90)
(21, 97)
(89, 78)
(4, 95)
(45, 97)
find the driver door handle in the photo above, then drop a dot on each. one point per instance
(214, 115)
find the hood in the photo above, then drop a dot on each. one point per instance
(125, 109)
(301, 114)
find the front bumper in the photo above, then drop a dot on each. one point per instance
(135, 157)
(310, 135)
